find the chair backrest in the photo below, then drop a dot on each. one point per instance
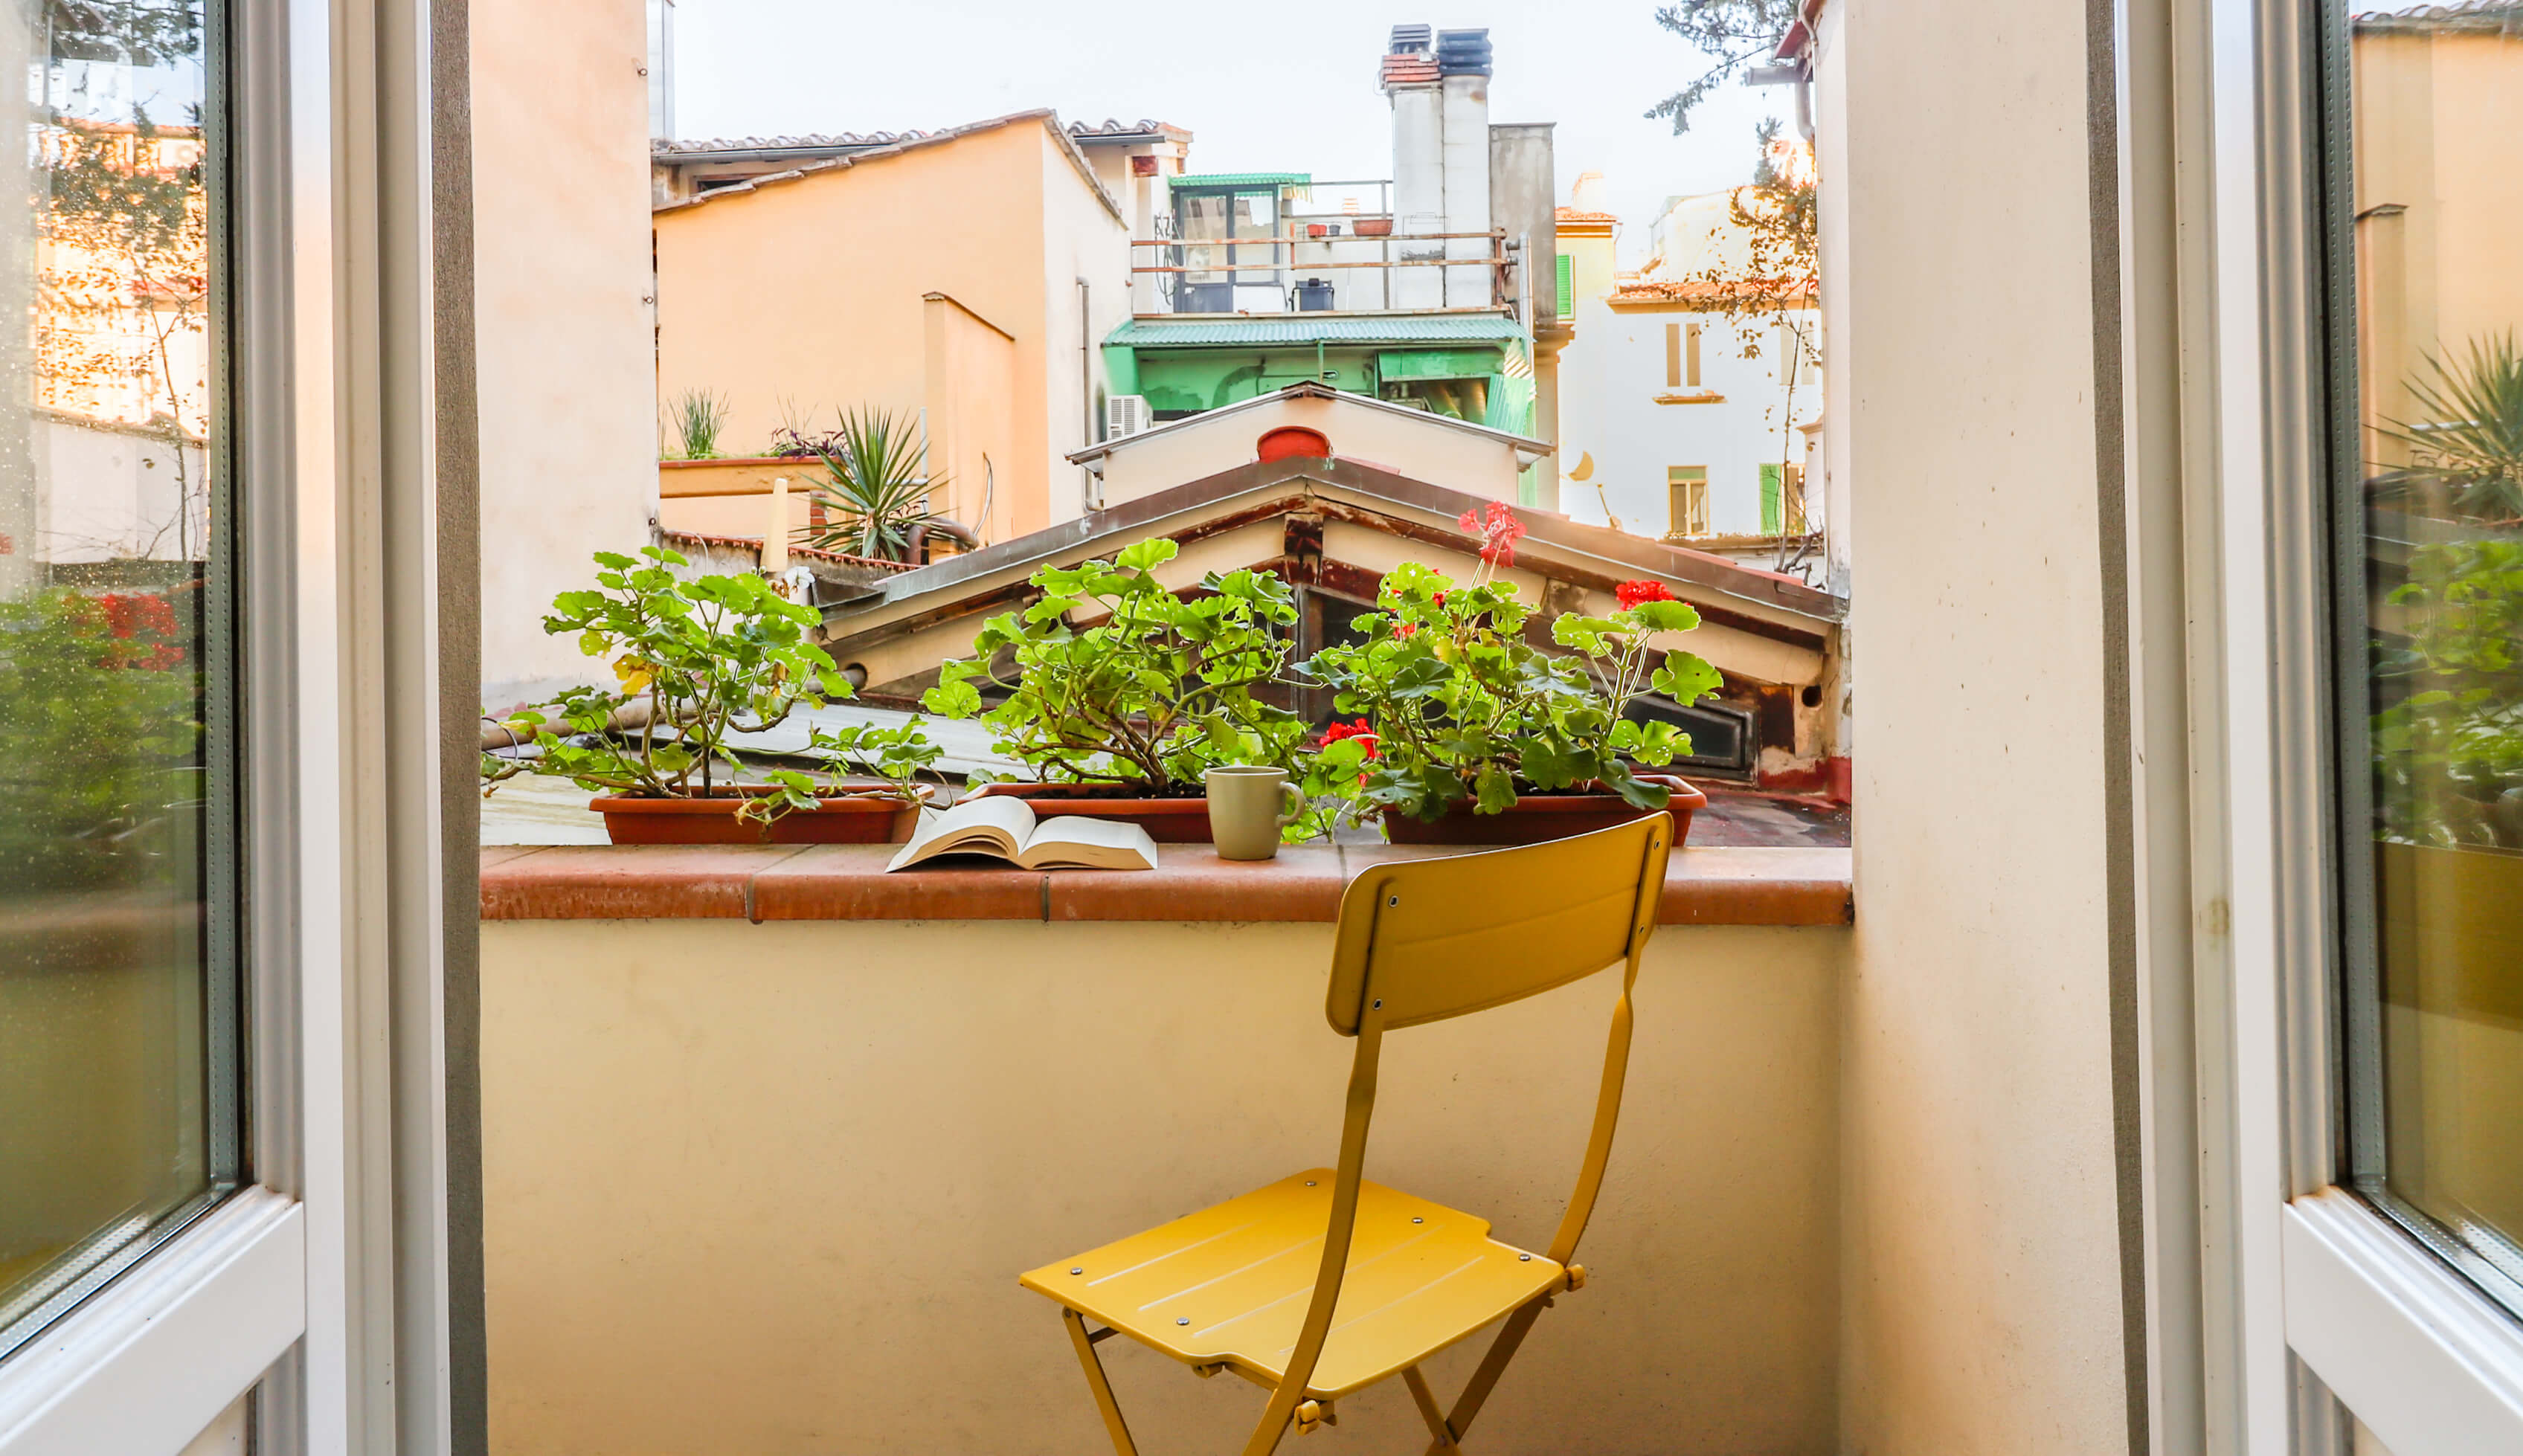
(1440, 938)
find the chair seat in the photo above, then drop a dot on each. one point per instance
(1231, 1284)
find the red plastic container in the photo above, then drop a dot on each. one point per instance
(1293, 442)
(844, 819)
(1537, 818)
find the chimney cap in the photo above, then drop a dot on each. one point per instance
(1409, 40)
(1463, 52)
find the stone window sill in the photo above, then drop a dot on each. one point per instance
(1708, 886)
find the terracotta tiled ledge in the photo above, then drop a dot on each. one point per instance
(1712, 886)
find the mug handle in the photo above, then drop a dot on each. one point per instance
(1293, 798)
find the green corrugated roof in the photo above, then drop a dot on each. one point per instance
(1315, 328)
(1244, 179)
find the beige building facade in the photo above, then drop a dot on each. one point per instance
(563, 321)
(958, 280)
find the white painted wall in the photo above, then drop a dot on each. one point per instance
(567, 351)
(1982, 1236)
(1609, 380)
(105, 491)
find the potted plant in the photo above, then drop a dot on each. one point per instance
(700, 660)
(875, 487)
(1117, 719)
(1469, 734)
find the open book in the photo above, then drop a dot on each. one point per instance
(1005, 827)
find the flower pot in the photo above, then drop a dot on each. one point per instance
(1317, 229)
(1178, 820)
(1374, 228)
(1537, 818)
(840, 819)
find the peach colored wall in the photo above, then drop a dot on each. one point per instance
(767, 1187)
(2436, 117)
(567, 387)
(813, 292)
(1418, 448)
(971, 373)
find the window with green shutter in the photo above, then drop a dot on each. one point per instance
(1566, 294)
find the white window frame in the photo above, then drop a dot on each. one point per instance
(2308, 1294)
(321, 1287)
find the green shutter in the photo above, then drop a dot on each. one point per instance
(1567, 294)
(1773, 500)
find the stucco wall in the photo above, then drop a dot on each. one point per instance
(812, 295)
(768, 1188)
(1611, 381)
(566, 373)
(1084, 242)
(1981, 1215)
(1419, 449)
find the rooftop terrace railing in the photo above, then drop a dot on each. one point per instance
(1340, 269)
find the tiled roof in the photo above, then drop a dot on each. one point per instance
(813, 141)
(2464, 15)
(754, 544)
(846, 160)
(1572, 214)
(1144, 126)
(1305, 328)
(1669, 291)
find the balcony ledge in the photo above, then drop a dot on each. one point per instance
(1715, 885)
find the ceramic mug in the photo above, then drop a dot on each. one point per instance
(1247, 808)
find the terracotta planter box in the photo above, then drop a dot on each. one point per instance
(1537, 818)
(1374, 228)
(846, 819)
(1166, 820)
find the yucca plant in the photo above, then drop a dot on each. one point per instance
(875, 488)
(694, 420)
(2472, 447)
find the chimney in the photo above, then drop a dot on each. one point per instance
(1438, 84)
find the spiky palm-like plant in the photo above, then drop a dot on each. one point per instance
(875, 488)
(2472, 445)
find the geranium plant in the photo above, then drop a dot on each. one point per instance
(1455, 704)
(1144, 699)
(698, 659)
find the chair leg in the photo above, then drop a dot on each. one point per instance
(1428, 1411)
(1493, 1365)
(1104, 1402)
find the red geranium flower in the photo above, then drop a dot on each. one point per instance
(1498, 531)
(1362, 730)
(1631, 593)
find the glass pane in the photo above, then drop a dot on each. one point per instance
(117, 1091)
(2431, 209)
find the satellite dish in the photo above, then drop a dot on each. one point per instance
(1584, 468)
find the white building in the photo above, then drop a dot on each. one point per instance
(1677, 421)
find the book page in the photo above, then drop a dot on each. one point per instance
(1077, 842)
(996, 824)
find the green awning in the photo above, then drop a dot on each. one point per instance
(1242, 180)
(1317, 328)
(1437, 363)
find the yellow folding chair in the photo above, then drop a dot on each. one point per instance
(1323, 1284)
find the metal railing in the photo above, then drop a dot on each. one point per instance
(1345, 273)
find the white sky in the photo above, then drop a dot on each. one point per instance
(1286, 87)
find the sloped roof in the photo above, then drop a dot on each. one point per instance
(1042, 116)
(1572, 214)
(1114, 130)
(1317, 328)
(2504, 15)
(1308, 389)
(1554, 544)
(840, 143)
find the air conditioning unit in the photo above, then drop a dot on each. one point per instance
(1125, 415)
